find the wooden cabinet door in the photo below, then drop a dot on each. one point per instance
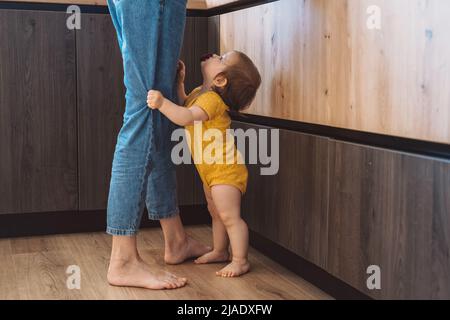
(101, 104)
(391, 210)
(38, 145)
(290, 208)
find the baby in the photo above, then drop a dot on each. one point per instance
(230, 83)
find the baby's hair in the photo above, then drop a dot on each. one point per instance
(243, 81)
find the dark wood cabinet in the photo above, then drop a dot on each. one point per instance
(38, 144)
(290, 208)
(101, 104)
(391, 210)
(198, 40)
(345, 207)
(61, 108)
(195, 45)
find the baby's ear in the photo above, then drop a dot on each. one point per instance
(220, 81)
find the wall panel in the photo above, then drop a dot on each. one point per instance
(321, 64)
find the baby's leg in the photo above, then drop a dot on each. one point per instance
(227, 201)
(220, 238)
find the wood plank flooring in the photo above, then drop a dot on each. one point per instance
(35, 268)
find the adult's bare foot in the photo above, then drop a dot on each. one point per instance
(136, 273)
(234, 269)
(213, 257)
(185, 250)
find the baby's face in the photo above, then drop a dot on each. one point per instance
(215, 64)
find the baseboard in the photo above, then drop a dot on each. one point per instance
(47, 223)
(305, 269)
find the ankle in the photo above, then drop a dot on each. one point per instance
(240, 260)
(220, 251)
(176, 243)
(119, 261)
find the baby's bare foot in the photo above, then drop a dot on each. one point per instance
(213, 257)
(234, 269)
(137, 273)
(189, 249)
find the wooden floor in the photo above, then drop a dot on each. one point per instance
(35, 268)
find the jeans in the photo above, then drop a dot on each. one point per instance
(150, 35)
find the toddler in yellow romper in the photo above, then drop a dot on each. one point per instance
(230, 83)
(215, 172)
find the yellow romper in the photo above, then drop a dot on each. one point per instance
(211, 169)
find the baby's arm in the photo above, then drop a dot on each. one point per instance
(181, 93)
(177, 114)
(181, 75)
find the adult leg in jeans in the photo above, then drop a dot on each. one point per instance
(147, 64)
(161, 190)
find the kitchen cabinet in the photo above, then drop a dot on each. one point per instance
(61, 108)
(290, 208)
(346, 208)
(101, 104)
(391, 210)
(38, 133)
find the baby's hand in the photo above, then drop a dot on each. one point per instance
(155, 99)
(181, 72)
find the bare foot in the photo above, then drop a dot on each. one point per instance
(137, 273)
(213, 257)
(234, 269)
(188, 249)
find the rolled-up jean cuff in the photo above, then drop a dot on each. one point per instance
(120, 232)
(159, 216)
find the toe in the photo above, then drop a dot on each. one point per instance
(174, 283)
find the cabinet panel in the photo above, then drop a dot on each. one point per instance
(199, 38)
(101, 104)
(391, 210)
(195, 45)
(290, 208)
(38, 146)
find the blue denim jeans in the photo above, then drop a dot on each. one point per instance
(150, 35)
